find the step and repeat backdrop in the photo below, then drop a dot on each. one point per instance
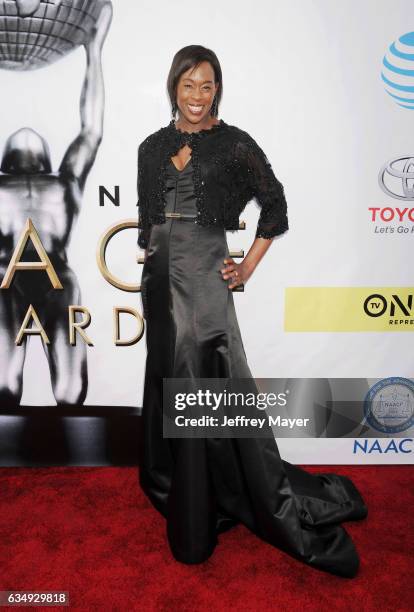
(327, 90)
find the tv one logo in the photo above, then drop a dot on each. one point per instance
(377, 305)
(369, 446)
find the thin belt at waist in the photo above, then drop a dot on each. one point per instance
(180, 216)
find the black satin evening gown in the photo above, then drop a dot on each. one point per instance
(204, 486)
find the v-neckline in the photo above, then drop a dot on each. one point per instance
(184, 167)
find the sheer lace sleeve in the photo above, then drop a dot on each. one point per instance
(268, 192)
(144, 227)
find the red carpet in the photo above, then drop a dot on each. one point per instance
(90, 531)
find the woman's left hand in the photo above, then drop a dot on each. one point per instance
(238, 273)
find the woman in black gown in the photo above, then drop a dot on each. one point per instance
(204, 486)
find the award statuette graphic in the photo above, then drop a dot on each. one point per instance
(42, 206)
(34, 33)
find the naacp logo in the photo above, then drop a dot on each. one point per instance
(389, 405)
(396, 178)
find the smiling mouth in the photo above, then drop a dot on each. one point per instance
(195, 109)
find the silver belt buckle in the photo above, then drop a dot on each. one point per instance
(174, 215)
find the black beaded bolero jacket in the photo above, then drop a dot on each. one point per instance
(230, 169)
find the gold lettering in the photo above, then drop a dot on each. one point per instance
(78, 327)
(136, 314)
(100, 255)
(15, 264)
(31, 314)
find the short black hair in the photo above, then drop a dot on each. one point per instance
(189, 57)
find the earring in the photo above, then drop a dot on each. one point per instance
(174, 109)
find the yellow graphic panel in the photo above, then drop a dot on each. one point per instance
(343, 309)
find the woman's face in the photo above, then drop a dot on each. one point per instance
(195, 92)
